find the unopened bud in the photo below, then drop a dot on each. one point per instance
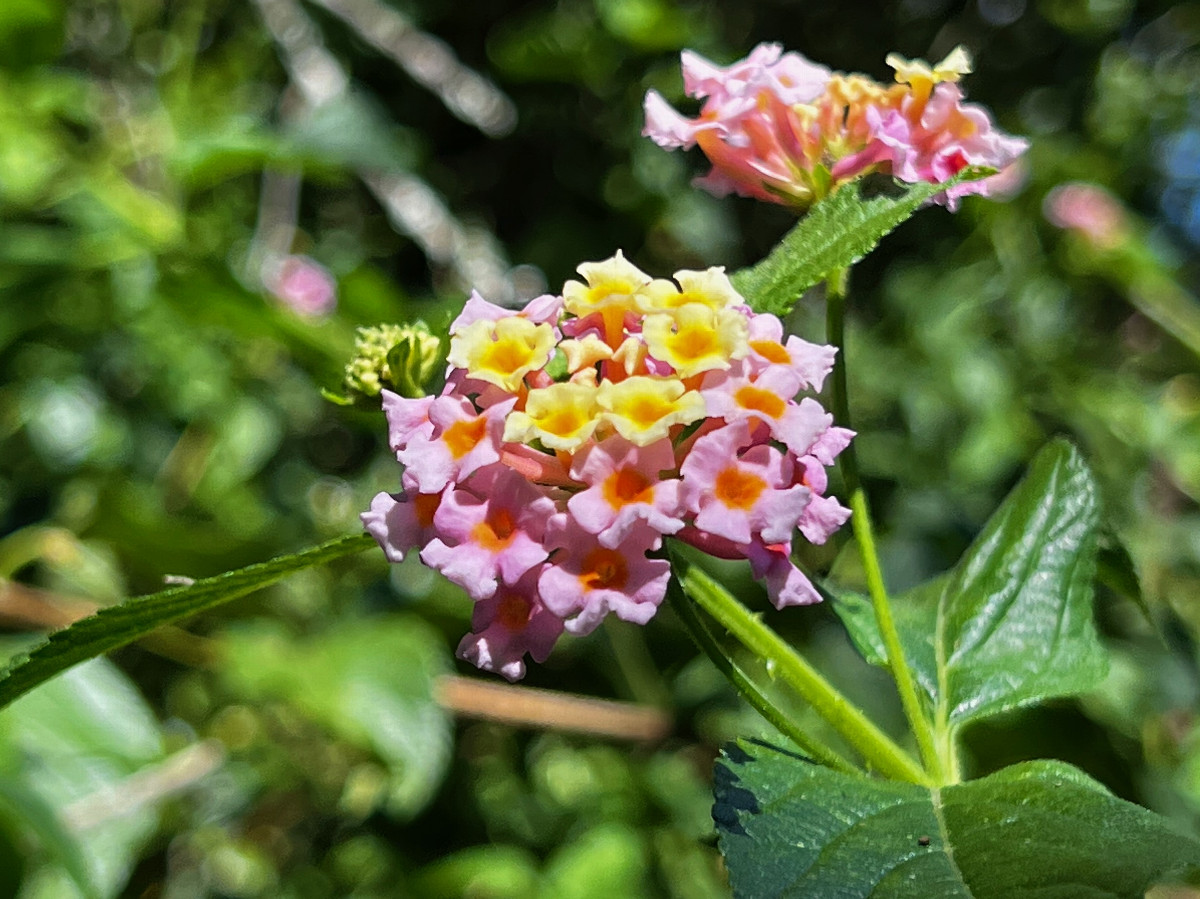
(405, 358)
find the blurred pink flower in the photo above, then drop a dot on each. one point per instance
(1090, 211)
(301, 284)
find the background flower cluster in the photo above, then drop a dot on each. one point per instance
(572, 436)
(780, 128)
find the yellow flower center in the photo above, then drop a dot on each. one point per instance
(642, 409)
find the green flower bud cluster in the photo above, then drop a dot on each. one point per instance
(405, 358)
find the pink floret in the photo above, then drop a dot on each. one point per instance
(586, 580)
(489, 532)
(401, 522)
(506, 626)
(786, 584)
(625, 486)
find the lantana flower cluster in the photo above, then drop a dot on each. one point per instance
(780, 128)
(575, 434)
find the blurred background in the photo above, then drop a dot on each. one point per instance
(200, 201)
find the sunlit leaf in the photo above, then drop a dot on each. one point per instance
(73, 745)
(836, 233)
(1012, 623)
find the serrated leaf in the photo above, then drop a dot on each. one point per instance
(369, 682)
(1012, 623)
(116, 626)
(789, 828)
(836, 233)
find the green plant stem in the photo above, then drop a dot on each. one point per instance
(860, 520)
(786, 664)
(750, 691)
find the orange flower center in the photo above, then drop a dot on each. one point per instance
(771, 351)
(626, 486)
(738, 489)
(424, 505)
(604, 569)
(496, 530)
(758, 400)
(463, 436)
(513, 611)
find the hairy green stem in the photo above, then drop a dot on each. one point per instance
(750, 691)
(860, 520)
(784, 663)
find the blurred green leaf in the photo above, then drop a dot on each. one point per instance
(789, 828)
(608, 860)
(833, 235)
(22, 808)
(77, 741)
(489, 872)
(368, 681)
(31, 31)
(119, 625)
(355, 133)
(1012, 623)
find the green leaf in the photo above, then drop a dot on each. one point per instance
(1044, 829)
(1115, 569)
(1012, 623)
(117, 626)
(836, 233)
(370, 683)
(915, 613)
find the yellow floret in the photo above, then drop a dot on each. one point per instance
(585, 352)
(561, 416)
(643, 409)
(611, 283)
(697, 338)
(918, 73)
(502, 352)
(710, 287)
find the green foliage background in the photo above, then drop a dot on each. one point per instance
(160, 415)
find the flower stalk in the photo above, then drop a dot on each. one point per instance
(860, 520)
(790, 667)
(758, 699)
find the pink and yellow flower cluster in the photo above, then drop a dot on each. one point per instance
(780, 128)
(573, 435)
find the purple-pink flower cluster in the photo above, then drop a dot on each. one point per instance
(780, 128)
(573, 435)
